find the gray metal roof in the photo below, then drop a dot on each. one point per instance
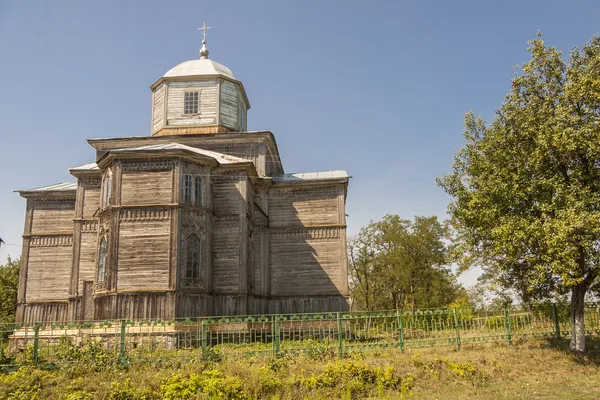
(311, 176)
(202, 66)
(86, 167)
(58, 187)
(219, 157)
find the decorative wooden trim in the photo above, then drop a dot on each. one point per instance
(48, 234)
(307, 233)
(52, 241)
(147, 164)
(145, 214)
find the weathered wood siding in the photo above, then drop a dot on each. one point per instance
(144, 250)
(146, 187)
(87, 255)
(91, 202)
(46, 312)
(49, 268)
(227, 198)
(304, 206)
(306, 262)
(158, 108)
(207, 107)
(226, 254)
(53, 216)
(229, 107)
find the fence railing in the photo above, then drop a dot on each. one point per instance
(326, 334)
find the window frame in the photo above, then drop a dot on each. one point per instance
(187, 188)
(191, 106)
(197, 190)
(193, 257)
(101, 267)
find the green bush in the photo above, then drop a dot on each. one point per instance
(210, 384)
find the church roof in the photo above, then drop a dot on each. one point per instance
(311, 176)
(219, 157)
(203, 66)
(86, 167)
(58, 187)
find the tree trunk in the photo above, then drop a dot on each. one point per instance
(577, 318)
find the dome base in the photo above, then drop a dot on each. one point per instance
(192, 130)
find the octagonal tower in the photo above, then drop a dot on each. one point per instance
(198, 96)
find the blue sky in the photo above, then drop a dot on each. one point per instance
(376, 88)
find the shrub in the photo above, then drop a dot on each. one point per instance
(209, 384)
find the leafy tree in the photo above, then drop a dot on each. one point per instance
(397, 263)
(526, 187)
(9, 284)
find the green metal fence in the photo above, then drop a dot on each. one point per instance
(319, 334)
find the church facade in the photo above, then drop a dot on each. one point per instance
(196, 219)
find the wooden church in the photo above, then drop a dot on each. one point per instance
(197, 219)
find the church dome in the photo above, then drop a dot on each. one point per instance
(202, 66)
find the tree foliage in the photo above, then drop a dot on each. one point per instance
(526, 187)
(9, 284)
(398, 263)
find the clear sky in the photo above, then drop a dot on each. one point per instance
(378, 88)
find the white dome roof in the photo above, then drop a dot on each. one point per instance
(203, 66)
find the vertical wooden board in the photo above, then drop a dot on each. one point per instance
(53, 216)
(158, 105)
(49, 273)
(144, 254)
(226, 253)
(91, 202)
(229, 105)
(146, 187)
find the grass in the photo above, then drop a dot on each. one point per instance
(532, 369)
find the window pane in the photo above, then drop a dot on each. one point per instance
(102, 261)
(187, 189)
(198, 190)
(192, 258)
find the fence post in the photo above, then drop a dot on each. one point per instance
(400, 330)
(556, 322)
(340, 338)
(122, 343)
(277, 338)
(36, 343)
(508, 327)
(203, 338)
(457, 329)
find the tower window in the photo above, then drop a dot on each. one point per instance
(190, 102)
(192, 270)
(102, 261)
(187, 188)
(197, 190)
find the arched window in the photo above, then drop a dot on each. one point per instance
(192, 270)
(102, 261)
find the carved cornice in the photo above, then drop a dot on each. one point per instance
(51, 241)
(139, 214)
(230, 220)
(308, 233)
(147, 164)
(89, 226)
(91, 181)
(49, 203)
(306, 193)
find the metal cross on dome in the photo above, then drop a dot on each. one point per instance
(203, 29)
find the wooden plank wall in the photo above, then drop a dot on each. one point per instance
(53, 216)
(229, 105)
(304, 206)
(49, 268)
(158, 108)
(146, 187)
(144, 251)
(207, 108)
